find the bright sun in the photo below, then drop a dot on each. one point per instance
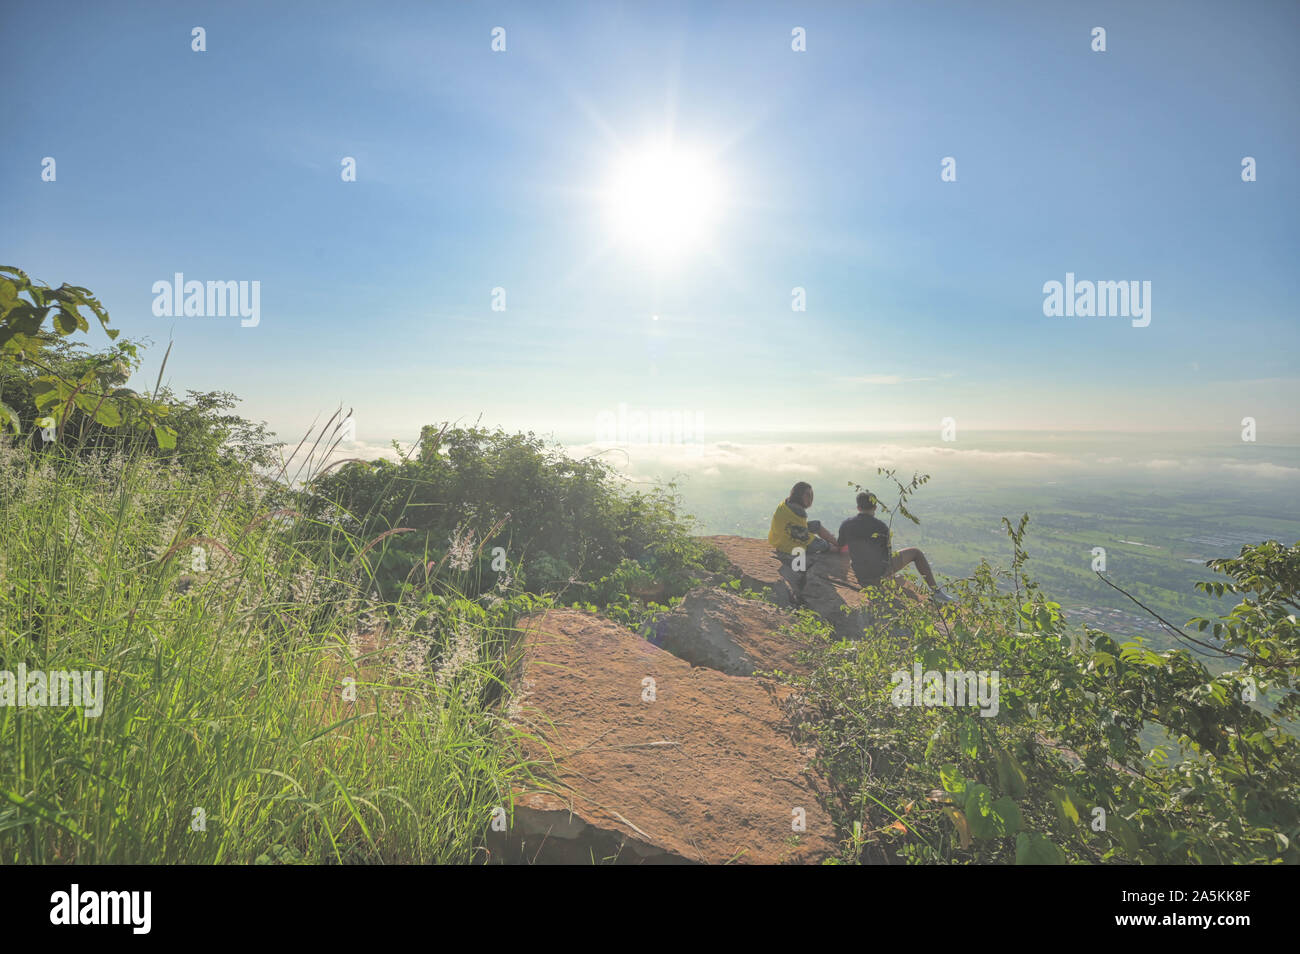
(664, 201)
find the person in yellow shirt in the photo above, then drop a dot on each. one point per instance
(791, 527)
(791, 530)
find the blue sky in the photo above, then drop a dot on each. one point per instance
(479, 169)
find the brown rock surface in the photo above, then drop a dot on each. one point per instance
(832, 591)
(729, 633)
(757, 565)
(830, 582)
(705, 772)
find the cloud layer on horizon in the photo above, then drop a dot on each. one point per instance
(712, 460)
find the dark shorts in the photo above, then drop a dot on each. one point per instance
(869, 576)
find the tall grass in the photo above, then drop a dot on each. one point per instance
(229, 733)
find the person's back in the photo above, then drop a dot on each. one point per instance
(789, 529)
(868, 543)
(870, 550)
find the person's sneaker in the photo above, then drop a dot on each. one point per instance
(940, 597)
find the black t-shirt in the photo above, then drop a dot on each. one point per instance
(868, 541)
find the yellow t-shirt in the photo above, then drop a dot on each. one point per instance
(789, 530)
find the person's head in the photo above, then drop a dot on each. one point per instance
(867, 502)
(802, 494)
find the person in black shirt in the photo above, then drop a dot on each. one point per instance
(869, 550)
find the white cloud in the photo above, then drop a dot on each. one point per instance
(713, 460)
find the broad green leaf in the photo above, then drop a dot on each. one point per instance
(165, 436)
(108, 414)
(86, 401)
(1008, 812)
(25, 319)
(1103, 660)
(8, 417)
(979, 812)
(1035, 849)
(1140, 655)
(46, 391)
(1065, 806)
(1011, 777)
(953, 782)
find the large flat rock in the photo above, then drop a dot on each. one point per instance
(729, 633)
(705, 772)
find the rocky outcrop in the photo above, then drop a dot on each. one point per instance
(830, 588)
(832, 591)
(729, 633)
(647, 758)
(672, 746)
(757, 566)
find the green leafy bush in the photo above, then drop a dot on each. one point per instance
(562, 525)
(54, 390)
(1061, 773)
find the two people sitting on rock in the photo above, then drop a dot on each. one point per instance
(867, 540)
(792, 531)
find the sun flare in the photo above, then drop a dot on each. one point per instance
(664, 201)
